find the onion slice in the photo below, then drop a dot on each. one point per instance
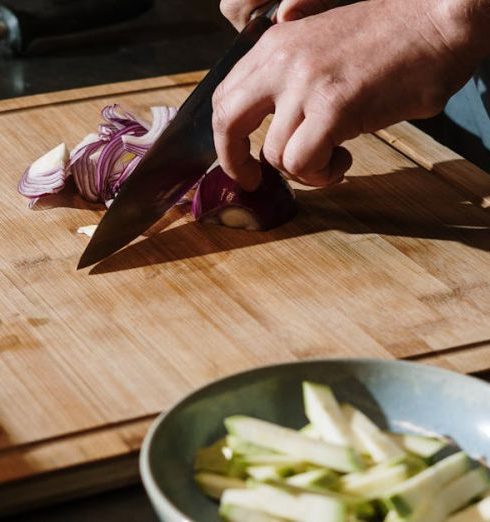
(139, 145)
(46, 175)
(83, 166)
(88, 230)
(220, 200)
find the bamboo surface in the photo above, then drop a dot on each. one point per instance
(393, 263)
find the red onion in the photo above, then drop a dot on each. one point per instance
(139, 145)
(46, 175)
(220, 200)
(83, 166)
(102, 161)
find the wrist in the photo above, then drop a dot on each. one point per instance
(464, 26)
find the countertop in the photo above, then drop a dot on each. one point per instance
(172, 37)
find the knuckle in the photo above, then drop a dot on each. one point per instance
(221, 120)
(307, 68)
(294, 165)
(271, 39)
(333, 107)
(331, 97)
(273, 155)
(228, 9)
(282, 57)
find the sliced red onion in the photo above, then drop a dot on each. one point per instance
(220, 200)
(88, 230)
(119, 119)
(109, 167)
(46, 175)
(139, 145)
(83, 166)
(102, 161)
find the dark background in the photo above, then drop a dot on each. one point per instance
(173, 36)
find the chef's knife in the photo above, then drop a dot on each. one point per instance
(177, 159)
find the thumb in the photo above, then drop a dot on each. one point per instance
(295, 9)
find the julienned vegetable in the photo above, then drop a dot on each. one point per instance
(220, 200)
(103, 161)
(339, 468)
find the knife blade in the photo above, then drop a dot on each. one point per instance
(176, 161)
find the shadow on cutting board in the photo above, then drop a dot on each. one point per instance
(406, 203)
(13, 463)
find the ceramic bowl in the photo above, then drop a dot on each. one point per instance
(400, 396)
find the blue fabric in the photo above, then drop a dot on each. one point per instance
(470, 107)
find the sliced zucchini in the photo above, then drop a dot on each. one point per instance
(274, 459)
(453, 496)
(300, 507)
(213, 484)
(457, 493)
(325, 415)
(478, 513)
(290, 442)
(315, 480)
(374, 483)
(376, 443)
(310, 431)
(406, 497)
(213, 459)
(239, 446)
(270, 472)
(424, 447)
(355, 505)
(239, 514)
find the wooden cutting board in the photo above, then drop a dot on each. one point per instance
(393, 263)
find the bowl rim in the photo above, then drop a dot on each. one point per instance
(158, 497)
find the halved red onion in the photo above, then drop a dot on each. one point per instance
(46, 175)
(220, 200)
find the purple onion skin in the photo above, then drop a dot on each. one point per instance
(272, 204)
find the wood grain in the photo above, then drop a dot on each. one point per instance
(392, 263)
(440, 160)
(71, 95)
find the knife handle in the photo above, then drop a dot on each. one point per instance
(268, 10)
(198, 106)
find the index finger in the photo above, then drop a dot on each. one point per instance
(239, 12)
(236, 114)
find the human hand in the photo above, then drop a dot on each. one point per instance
(330, 77)
(238, 12)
